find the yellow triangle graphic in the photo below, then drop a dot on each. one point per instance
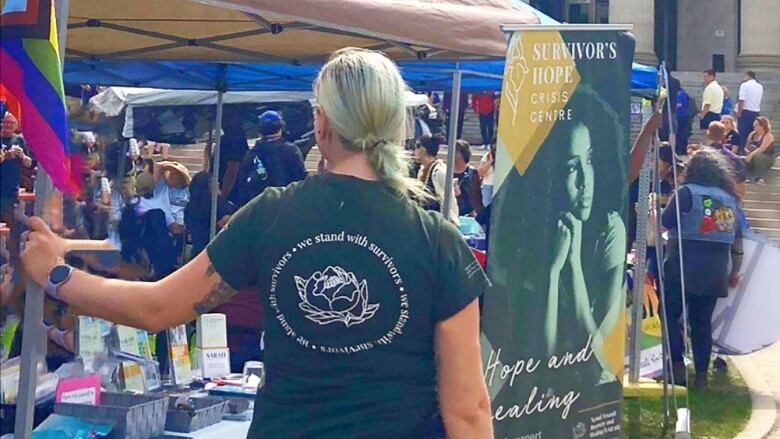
(539, 78)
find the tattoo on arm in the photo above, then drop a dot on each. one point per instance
(220, 293)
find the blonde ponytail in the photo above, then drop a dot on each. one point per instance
(362, 94)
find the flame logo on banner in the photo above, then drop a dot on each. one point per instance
(536, 93)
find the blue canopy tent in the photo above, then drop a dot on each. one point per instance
(199, 75)
(256, 45)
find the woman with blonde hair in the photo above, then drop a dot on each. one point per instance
(372, 325)
(760, 150)
(732, 139)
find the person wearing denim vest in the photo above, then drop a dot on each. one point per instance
(712, 218)
(711, 232)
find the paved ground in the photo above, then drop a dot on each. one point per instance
(761, 371)
(768, 362)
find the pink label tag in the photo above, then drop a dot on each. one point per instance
(83, 390)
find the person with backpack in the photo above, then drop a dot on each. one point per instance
(433, 173)
(371, 304)
(686, 111)
(272, 162)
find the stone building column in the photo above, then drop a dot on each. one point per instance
(640, 13)
(759, 35)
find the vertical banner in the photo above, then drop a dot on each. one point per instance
(554, 322)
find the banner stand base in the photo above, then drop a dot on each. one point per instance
(648, 388)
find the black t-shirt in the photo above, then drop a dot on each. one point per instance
(232, 148)
(11, 170)
(733, 138)
(469, 185)
(706, 263)
(353, 278)
(292, 160)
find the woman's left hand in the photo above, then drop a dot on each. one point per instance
(42, 250)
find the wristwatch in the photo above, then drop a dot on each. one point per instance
(57, 277)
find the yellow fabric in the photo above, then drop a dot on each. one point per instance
(713, 95)
(534, 94)
(614, 346)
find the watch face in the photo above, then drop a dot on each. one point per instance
(59, 274)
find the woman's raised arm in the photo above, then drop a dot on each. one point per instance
(192, 290)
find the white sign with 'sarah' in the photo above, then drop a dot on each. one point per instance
(214, 363)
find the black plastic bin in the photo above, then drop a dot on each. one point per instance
(207, 411)
(133, 416)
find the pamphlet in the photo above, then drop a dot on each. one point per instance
(151, 376)
(128, 339)
(90, 343)
(212, 331)
(179, 356)
(132, 376)
(144, 348)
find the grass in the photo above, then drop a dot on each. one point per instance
(719, 412)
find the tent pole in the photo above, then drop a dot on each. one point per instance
(215, 167)
(640, 270)
(453, 137)
(34, 337)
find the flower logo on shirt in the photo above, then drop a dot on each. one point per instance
(335, 295)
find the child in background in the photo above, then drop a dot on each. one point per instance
(173, 179)
(157, 222)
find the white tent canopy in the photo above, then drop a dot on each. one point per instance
(113, 100)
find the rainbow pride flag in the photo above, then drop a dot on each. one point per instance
(31, 73)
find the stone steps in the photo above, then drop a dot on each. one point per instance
(764, 223)
(757, 204)
(771, 214)
(762, 204)
(773, 234)
(761, 197)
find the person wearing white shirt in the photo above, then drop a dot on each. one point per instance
(487, 173)
(751, 93)
(711, 101)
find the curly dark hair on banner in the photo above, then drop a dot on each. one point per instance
(708, 167)
(542, 184)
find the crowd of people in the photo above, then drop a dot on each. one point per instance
(138, 200)
(705, 234)
(158, 215)
(351, 227)
(747, 133)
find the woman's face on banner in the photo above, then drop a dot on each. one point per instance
(578, 175)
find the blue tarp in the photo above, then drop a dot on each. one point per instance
(196, 75)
